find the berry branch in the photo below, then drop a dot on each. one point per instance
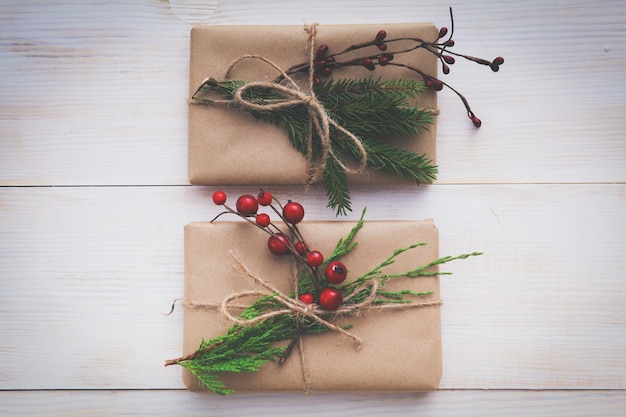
(326, 63)
(322, 292)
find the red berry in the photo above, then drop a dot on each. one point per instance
(293, 212)
(498, 61)
(321, 52)
(382, 46)
(330, 299)
(442, 32)
(247, 204)
(278, 244)
(263, 220)
(445, 68)
(434, 84)
(329, 60)
(307, 298)
(367, 63)
(336, 272)
(315, 258)
(219, 197)
(383, 60)
(449, 43)
(449, 59)
(316, 81)
(327, 71)
(380, 36)
(301, 248)
(264, 198)
(475, 120)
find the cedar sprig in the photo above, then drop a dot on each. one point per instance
(242, 349)
(248, 348)
(342, 248)
(371, 109)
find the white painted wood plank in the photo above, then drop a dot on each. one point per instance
(85, 273)
(442, 403)
(94, 92)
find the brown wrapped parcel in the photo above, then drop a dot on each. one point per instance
(400, 351)
(227, 146)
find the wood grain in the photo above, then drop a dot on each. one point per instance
(94, 196)
(95, 93)
(87, 273)
(443, 403)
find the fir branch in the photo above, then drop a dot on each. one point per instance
(406, 87)
(337, 190)
(345, 90)
(375, 109)
(396, 161)
(370, 109)
(225, 89)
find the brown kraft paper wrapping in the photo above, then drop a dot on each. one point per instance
(400, 351)
(229, 147)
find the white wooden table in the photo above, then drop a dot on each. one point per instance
(94, 196)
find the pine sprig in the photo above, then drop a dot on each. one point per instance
(335, 183)
(373, 109)
(344, 90)
(395, 161)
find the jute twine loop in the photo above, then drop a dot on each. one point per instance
(292, 306)
(300, 310)
(319, 120)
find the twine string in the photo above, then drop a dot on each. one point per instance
(299, 309)
(292, 306)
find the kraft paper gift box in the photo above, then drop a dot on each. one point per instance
(229, 147)
(400, 351)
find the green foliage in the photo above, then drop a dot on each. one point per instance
(371, 109)
(246, 349)
(242, 349)
(347, 244)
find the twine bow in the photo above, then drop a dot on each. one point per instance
(299, 309)
(319, 119)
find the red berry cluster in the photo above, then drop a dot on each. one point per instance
(322, 64)
(324, 273)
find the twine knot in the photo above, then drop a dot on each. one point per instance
(292, 306)
(299, 309)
